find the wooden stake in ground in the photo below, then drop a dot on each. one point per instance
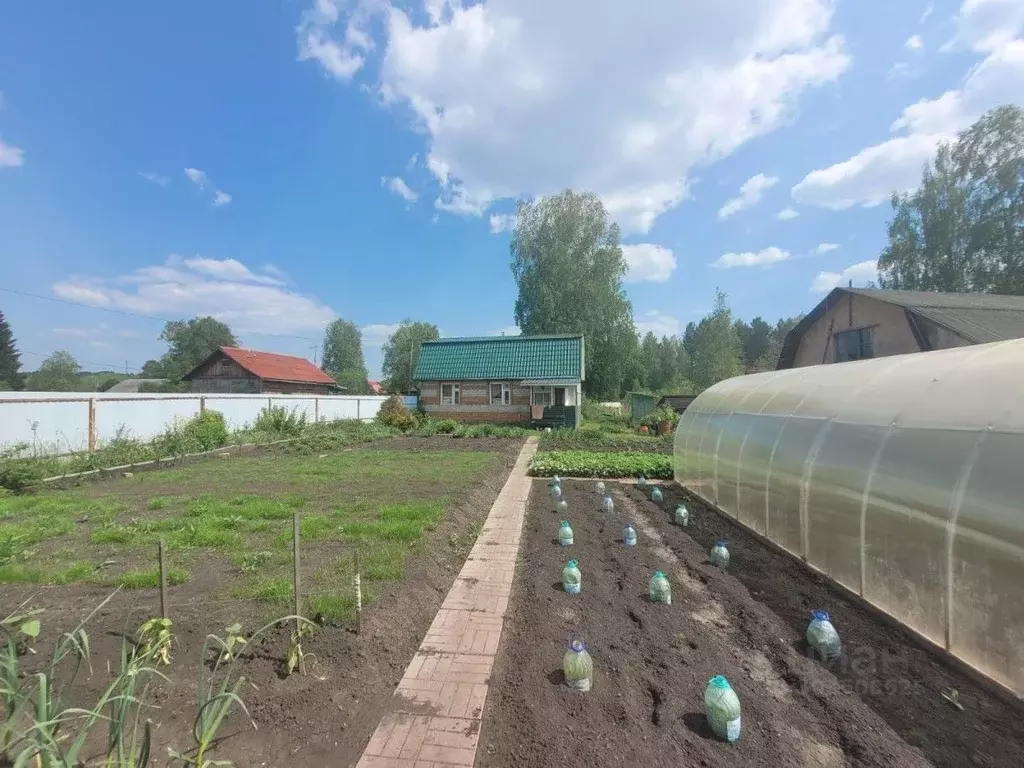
(357, 581)
(163, 580)
(295, 586)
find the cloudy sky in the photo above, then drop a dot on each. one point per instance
(281, 163)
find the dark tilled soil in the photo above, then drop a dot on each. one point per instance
(880, 706)
(322, 719)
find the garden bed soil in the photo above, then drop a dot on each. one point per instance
(652, 662)
(321, 719)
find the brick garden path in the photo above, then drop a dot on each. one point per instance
(434, 717)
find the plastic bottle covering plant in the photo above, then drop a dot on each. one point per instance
(155, 640)
(572, 578)
(822, 636)
(600, 488)
(682, 516)
(720, 554)
(556, 492)
(565, 534)
(656, 495)
(562, 505)
(629, 535)
(641, 481)
(578, 667)
(722, 707)
(556, 480)
(608, 505)
(660, 590)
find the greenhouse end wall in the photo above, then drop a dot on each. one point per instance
(901, 478)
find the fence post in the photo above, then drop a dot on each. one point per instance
(92, 424)
(359, 401)
(163, 581)
(357, 581)
(316, 409)
(202, 405)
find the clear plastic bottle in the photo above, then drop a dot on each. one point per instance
(629, 535)
(600, 488)
(720, 554)
(722, 706)
(656, 495)
(565, 534)
(641, 482)
(660, 589)
(556, 480)
(578, 667)
(571, 578)
(682, 515)
(562, 506)
(556, 492)
(608, 505)
(822, 636)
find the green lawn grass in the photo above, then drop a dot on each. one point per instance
(240, 511)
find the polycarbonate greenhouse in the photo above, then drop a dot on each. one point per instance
(901, 478)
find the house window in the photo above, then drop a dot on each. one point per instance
(542, 396)
(449, 394)
(854, 345)
(224, 367)
(501, 394)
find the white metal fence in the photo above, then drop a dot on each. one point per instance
(65, 422)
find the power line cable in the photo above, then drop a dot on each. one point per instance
(136, 314)
(105, 366)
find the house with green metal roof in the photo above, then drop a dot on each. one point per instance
(509, 379)
(857, 323)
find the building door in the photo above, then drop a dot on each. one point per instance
(559, 395)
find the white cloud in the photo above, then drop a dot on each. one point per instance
(155, 178)
(221, 198)
(400, 188)
(658, 323)
(914, 43)
(225, 289)
(274, 271)
(196, 176)
(763, 258)
(826, 248)
(11, 156)
(750, 194)
(647, 262)
(864, 272)
(502, 222)
(869, 177)
(928, 11)
(340, 60)
(787, 213)
(523, 98)
(78, 333)
(376, 334)
(223, 269)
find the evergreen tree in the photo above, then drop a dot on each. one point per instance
(10, 360)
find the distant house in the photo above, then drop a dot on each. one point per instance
(233, 370)
(133, 385)
(859, 323)
(522, 379)
(376, 388)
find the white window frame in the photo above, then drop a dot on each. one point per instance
(549, 391)
(504, 396)
(455, 397)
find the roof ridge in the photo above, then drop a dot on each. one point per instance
(517, 337)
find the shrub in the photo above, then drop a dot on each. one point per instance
(393, 413)
(447, 426)
(587, 464)
(18, 474)
(280, 420)
(658, 415)
(203, 432)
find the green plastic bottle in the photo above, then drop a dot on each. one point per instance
(656, 495)
(565, 534)
(571, 578)
(722, 706)
(660, 590)
(578, 667)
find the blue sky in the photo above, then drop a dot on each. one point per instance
(285, 162)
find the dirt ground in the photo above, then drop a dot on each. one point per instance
(322, 719)
(878, 706)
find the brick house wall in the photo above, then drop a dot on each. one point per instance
(474, 402)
